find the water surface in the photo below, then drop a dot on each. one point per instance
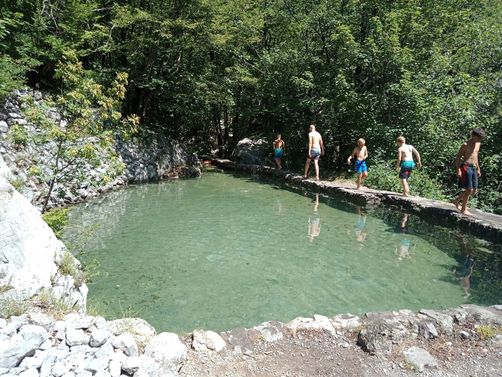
(222, 251)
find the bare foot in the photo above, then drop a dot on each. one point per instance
(466, 212)
(317, 179)
(457, 204)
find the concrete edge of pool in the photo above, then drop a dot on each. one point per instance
(481, 224)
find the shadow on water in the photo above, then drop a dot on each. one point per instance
(478, 268)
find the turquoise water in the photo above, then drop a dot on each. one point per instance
(221, 252)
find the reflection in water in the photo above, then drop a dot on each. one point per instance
(360, 229)
(212, 253)
(315, 221)
(465, 271)
(405, 246)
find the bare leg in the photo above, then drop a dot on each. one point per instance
(307, 166)
(457, 201)
(278, 163)
(362, 178)
(466, 194)
(406, 187)
(316, 166)
(358, 181)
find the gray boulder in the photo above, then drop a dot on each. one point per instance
(253, 152)
(420, 359)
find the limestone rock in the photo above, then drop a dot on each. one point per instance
(207, 340)
(347, 322)
(253, 151)
(76, 337)
(22, 345)
(444, 321)
(167, 349)
(98, 337)
(270, 331)
(318, 323)
(126, 343)
(140, 329)
(420, 358)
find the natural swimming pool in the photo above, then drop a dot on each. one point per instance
(225, 251)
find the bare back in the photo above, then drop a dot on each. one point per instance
(315, 139)
(406, 152)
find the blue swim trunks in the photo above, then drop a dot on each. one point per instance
(278, 153)
(469, 178)
(315, 153)
(361, 166)
(406, 168)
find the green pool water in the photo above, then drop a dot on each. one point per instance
(222, 251)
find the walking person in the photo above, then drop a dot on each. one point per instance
(315, 150)
(405, 162)
(360, 153)
(279, 147)
(468, 170)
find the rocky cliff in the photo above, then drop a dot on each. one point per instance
(153, 158)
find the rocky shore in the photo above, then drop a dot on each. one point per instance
(457, 342)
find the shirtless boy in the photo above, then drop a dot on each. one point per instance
(405, 162)
(316, 149)
(361, 154)
(279, 150)
(468, 169)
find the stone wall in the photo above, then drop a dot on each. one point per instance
(154, 159)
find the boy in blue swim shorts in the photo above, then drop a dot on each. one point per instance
(405, 162)
(468, 169)
(361, 154)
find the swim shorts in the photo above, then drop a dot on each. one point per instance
(315, 153)
(469, 177)
(278, 153)
(361, 166)
(406, 168)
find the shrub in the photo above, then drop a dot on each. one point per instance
(57, 219)
(18, 135)
(382, 176)
(17, 182)
(9, 308)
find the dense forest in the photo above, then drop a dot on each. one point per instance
(209, 72)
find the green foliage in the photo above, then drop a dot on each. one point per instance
(56, 218)
(55, 307)
(382, 176)
(18, 135)
(211, 72)
(10, 308)
(486, 332)
(17, 182)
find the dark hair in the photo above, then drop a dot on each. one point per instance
(478, 132)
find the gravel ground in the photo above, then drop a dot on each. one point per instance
(317, 353)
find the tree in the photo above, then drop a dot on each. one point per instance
(87, 120)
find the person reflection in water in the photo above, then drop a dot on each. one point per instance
(360, 226)
(465, 271)
(315, 221)
(405, 247)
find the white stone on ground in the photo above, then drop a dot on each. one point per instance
(420, 358)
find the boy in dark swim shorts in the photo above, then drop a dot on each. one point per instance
(468, 169)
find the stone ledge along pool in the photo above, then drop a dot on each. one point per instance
(225, 251)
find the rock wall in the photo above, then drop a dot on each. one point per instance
(32, 259)
(155, 159)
